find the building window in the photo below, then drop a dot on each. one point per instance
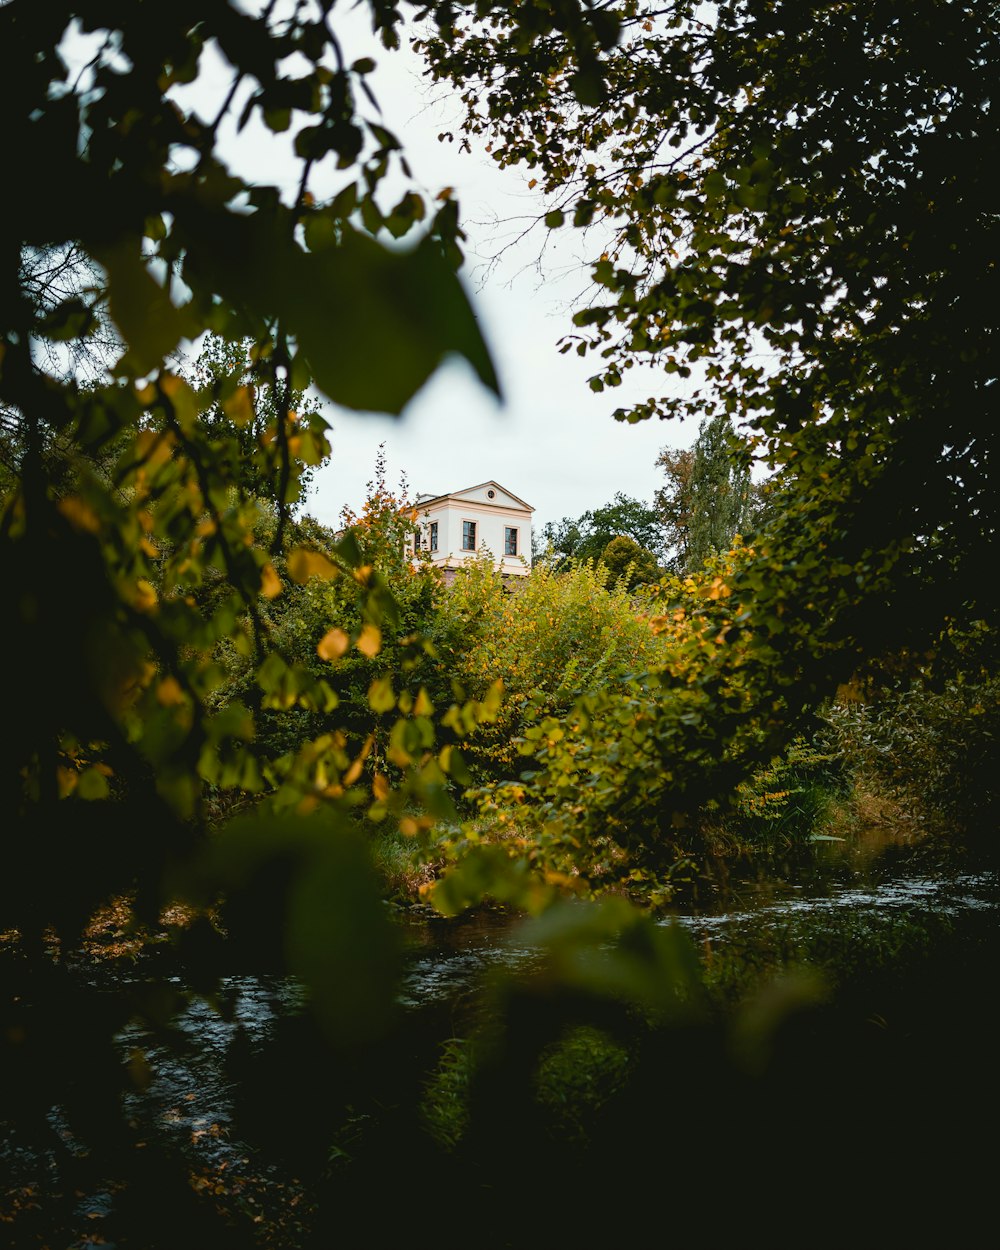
(416, 542)
(468, 535)
(434, 536)
(509, 541)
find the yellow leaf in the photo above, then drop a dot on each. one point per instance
(333, 644)
(239, 406)
(183, 399)
(80, 514)
(145, 596)
(154, 449)
(381, 697)
(423, 705)
(380, 787)
(719, 589)
(303, 564)
(169, 692)
(352, 774)
(270, 582)
(408, 827)
(369, 641)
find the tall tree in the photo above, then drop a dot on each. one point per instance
(722, 494)
(673, 503)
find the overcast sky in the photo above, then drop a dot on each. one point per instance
(551, 441)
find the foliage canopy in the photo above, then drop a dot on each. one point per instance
(793, 209)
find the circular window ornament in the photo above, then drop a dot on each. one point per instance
(491, 494)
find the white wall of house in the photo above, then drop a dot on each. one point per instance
(481, 518)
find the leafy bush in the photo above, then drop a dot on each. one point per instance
(787, 800)
(548, 639)
(937, 747)
(615, 784)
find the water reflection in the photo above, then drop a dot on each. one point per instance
(857, 881)
(240, 1068)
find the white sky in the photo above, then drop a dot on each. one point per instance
(552, 441)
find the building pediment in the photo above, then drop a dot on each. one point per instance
(490, 494)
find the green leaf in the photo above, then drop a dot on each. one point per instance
(92, 784)
(71, 319)
(141, 309)
(375, 324)
(588, 86)
(381, 697)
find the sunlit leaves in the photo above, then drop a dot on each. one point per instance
(303, 564)
(556, 636)
(369, 641)
(333, 644)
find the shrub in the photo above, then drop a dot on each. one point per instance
(551, 638)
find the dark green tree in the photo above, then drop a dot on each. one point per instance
(673, 504)
(628, 564)
(723, 498)
(586, 537)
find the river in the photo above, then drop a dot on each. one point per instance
(217, 1096)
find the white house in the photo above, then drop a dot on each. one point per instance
(455, 528)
